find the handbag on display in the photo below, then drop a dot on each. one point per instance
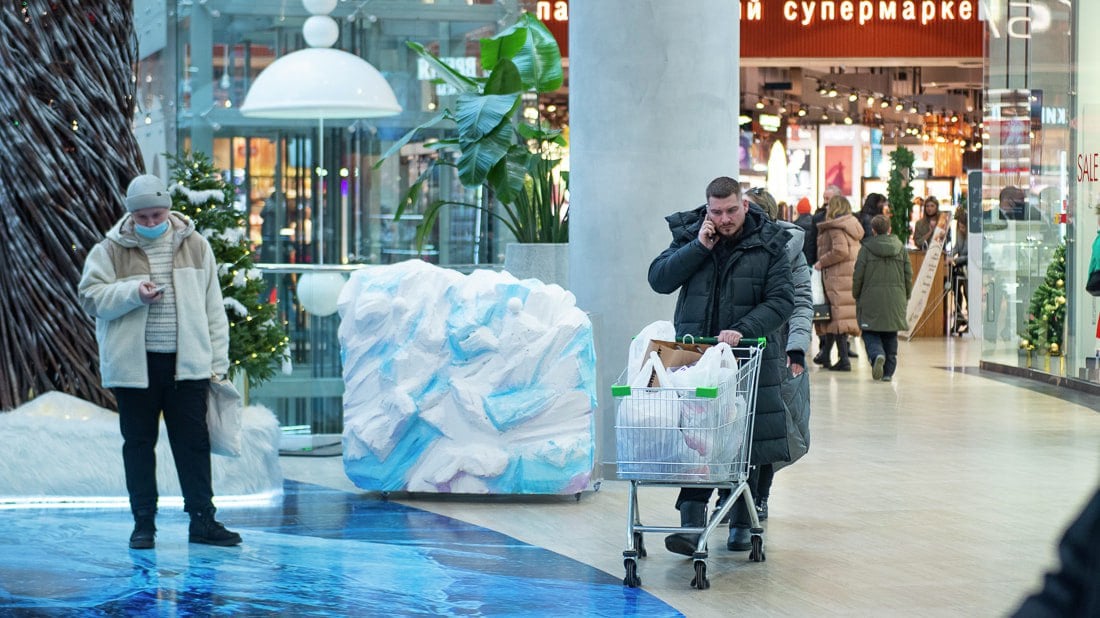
(822, 310)
(224, 418)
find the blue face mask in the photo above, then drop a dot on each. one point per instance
(151, 232)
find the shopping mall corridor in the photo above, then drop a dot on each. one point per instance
(942, 493)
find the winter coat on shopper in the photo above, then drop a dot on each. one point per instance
(748, 290)
(108, 290)
(795, 390)
(838, 242)
(881, 284)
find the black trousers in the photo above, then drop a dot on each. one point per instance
(739, 516)
(184, 405)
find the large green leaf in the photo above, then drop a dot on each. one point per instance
(508, 175)
(528, 131)
(539, 62)
(504, 79)
(479, 115)
(406, 137)
(505, 44)
(479, 157)
(445, 71)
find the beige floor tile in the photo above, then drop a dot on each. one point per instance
(940, 494)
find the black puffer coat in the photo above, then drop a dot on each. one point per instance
(750, 292)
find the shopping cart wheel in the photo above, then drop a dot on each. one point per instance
(756, 553)
(639, 544)
(700, 580)
(631, 580)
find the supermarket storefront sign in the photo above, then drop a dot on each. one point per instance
(861, 29)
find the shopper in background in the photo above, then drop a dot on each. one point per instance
(925, 227)
(730, 266)
(873, 205)
(796, 386)
(881, 285)
(958, 259)
(838, 240)
(805, 220)
(152, 286)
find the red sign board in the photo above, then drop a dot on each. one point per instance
(836, 28)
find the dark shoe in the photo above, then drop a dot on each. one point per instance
(844, 363)
(822, 360)
(692, 515)
(878, 366)
(207, 530)
(739, 540)
(887, 378)
(822, 357)
(145, 531)
(762, 509)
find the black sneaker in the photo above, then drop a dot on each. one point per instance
(143, 536)
(209, 531)
(762, 509)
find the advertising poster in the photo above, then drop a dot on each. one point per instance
(838, 168)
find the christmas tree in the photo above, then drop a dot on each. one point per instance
(899, 192)
(1046, 317)
(257, 343)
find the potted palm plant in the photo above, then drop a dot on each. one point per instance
(495, 146)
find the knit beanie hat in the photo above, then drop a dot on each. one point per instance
(803, 207)
(147, 191)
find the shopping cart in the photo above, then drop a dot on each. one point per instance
(699, 437)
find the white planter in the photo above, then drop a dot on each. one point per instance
(547, 262)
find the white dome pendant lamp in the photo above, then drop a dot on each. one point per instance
(320, 82)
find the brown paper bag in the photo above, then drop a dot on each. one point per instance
(675, 354)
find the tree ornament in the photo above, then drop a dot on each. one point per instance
(1060, 283)
(1054, 349)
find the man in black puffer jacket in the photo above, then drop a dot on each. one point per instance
(731, 267)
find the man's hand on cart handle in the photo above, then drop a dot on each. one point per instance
(731, 337)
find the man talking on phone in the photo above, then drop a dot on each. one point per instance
(731, 268)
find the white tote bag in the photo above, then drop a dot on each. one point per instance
(224, 418)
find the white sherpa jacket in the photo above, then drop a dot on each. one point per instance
(109, 292)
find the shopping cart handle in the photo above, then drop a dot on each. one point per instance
(760, 342)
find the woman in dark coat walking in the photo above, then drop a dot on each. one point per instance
(731, 268)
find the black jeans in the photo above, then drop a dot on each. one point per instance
(184, 405)
(739, 516)
(882, 343)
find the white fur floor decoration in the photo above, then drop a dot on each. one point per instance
(61, 449)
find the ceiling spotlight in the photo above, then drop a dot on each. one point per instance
(802, 112)
(870, 99)
(899, 107)
(884, 104)
(832, 92)
(759, 104)
(822, 90)
(824, 115)
(853, 97)
(954, 117)
(847, 120)
(912, 109)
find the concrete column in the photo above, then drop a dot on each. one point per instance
(653, 107)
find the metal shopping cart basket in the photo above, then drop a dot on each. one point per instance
(700, 437)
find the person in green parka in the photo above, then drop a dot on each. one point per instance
(881, 286)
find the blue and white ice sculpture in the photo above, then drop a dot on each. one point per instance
(472, 384)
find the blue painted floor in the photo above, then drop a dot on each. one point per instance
(321, 552)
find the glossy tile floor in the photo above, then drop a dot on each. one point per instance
(942, 493)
